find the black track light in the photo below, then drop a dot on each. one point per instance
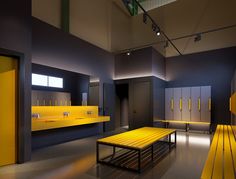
(128, 53)
(197, 38)
(145, 18)
(154, 27)
(166, 44)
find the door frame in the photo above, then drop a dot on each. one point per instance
(20, 119)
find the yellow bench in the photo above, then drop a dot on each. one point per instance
(221, 160)
(137, 140)
(183, 122)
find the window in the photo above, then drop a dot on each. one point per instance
(48, 81)
(55, 82)
(39, 80)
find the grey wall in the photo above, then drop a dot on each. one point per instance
(158, 65)
(214, 68)
(137, 64)
(52, 47)
(15, 35)
(159, 98)
(140, 63)
(55, 48)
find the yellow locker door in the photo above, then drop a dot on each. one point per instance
(8, 79)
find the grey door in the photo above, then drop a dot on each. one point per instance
(186, 108)
(141, 104)
(205, 103)
(109, 105)
(177, 109)
(169, 99)
(195, 99)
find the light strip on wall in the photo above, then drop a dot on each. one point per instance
(122, 77)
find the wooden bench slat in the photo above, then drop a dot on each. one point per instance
(221, 160)
(182, 122)
(134, 142)
(218, 164)
(228, 160)
(208, 168)
(129, 138)
(139, 138)
(233, 148)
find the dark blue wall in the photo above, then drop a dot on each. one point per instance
(15, 35)
(75, 84)
(50, 137)
(214, 68)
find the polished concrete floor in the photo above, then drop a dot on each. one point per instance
(77, 159)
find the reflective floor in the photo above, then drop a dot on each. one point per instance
(77, 159)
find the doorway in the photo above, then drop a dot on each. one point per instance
(122, 105)
(8, 110)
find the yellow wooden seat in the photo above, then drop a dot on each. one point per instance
(221, 160)
(187, 123)
(183, 122)
(136, 140)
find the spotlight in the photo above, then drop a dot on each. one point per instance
(128, 53)
(158, 33)
(145, 18)
(197, 38)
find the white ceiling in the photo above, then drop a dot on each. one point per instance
(108, 24)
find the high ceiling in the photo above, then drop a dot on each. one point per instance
(109, 25)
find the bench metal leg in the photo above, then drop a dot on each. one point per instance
(175, 138)
(139, 161)
(97, 152)
(152, 148)
(114, 152)
(169, 141)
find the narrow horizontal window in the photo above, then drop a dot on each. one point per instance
(55, 82)
(39, 80)
(47, 81)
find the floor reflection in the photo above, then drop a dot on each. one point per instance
(77, 159)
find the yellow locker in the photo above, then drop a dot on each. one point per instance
(233, 103)
(8, 110)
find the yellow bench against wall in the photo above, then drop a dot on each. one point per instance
(221, 160)
(51, 117)
(183, 122)
(187, 123)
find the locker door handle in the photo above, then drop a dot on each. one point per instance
(209, 104)
(199, 104)
(189, 104)
(230, 104)
(172, 104)
(180, 104)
